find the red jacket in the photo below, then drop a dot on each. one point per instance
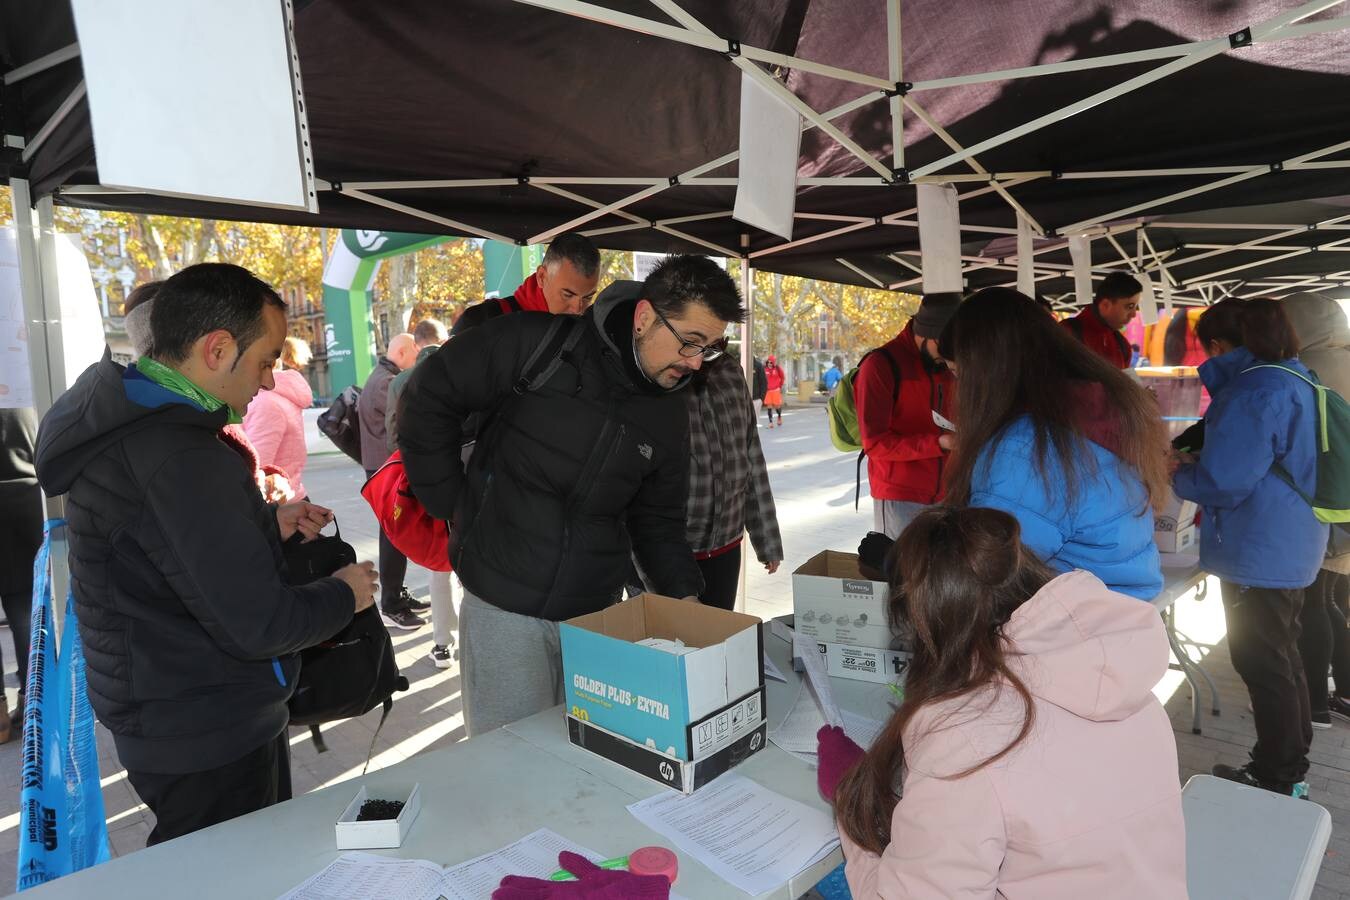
(1090, 328)
(773, 378)
(904, 461)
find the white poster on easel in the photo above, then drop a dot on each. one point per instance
(766, 183)
(81, 322)
(238, 133)
(940, 237)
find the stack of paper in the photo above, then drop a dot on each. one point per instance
(797, 732)
(744, 833)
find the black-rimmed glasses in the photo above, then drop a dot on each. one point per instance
(689, 349)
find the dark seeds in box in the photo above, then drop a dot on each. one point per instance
(379, 809)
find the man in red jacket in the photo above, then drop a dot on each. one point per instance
(1100, 323)
(905, 446)
(564, 284)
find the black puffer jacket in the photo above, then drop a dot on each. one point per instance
(568, 480)
(177, 570)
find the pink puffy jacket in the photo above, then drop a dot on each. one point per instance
(276, 426)
(1087, 806)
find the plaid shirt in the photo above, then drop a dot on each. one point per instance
(729, 490)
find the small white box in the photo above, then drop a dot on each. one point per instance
(832, 602)
(865, 663)
(1174, 527)
(378, 834)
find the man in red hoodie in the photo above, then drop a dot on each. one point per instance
(1099, 324)
(564, 283)
(905, 445)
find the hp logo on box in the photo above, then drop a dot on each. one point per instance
(667, 771)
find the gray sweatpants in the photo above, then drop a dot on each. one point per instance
(890, 517)
(510, 665)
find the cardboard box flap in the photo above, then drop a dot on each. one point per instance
(831, 564)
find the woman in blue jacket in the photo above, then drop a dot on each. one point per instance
(1058, 437)
(1258, 535)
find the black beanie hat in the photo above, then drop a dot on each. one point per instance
(935, 312)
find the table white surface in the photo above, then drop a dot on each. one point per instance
(1243, 843)
(477, 796)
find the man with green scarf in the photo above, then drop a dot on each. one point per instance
(189, 628)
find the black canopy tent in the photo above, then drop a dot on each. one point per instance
(516, 119)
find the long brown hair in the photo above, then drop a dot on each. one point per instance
(1260, 324)
(957, 576)
(1012, 360)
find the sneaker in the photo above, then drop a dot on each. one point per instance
(1243, 775)
(442, 657)
(1321, 721)
(1339, 707)
(402, 618)
(408, 601)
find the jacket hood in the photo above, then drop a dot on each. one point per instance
(612, 315)
(1318, 320)
(98, 411)
(294, 387)
(1088, 650)
(1219, 371)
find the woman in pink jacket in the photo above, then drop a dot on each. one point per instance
(1036, 762)
(275, 422)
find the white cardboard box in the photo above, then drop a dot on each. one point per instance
(864, 663)
(380, 834)
(1174, 528)
(832, 602)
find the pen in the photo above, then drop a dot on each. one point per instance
(899, 694)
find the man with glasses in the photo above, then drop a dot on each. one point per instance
(571, 476)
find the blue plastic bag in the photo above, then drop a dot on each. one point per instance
(62, 828)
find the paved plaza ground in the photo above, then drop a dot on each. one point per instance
(813, 485)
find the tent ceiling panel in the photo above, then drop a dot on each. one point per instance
(501, 89)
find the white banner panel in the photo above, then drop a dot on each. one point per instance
(771, 138)
(940, 237)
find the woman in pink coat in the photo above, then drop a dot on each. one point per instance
(1035, 760)
(275, 422)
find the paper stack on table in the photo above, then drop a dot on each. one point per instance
(797, 733)
(746, 834)
(359, 876)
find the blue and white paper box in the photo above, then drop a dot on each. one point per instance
(689, 705)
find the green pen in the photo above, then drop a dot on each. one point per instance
(897, 691)
(618, 862)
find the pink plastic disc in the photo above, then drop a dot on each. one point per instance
(654, 861)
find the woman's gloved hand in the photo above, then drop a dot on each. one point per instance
(593, 883)
(836, 754)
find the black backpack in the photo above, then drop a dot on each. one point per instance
(339, 423)
(352, 672)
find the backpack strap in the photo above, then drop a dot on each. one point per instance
(563, 334)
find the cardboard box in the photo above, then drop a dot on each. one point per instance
(670, 771)
(378, 834)
(832, 602)
(865, 663)
(690, 706)
(1174, 528)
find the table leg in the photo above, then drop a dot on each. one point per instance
(1185, 664)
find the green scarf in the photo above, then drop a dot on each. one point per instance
(173, 380)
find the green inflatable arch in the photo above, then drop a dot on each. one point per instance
(349, 326)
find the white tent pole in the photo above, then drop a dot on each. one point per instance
(1153, 251)
(896, 257)
(894, 67)
(848, 265)
(1214, 185)
(1260, 262)
(659, 226)
(698, 38)
(748, 368)
(43, 63)
(951, 142)
(67, 106)
(1111, 239)
(1262, 241)
(800, 242)
(430, 217)
(778, 89)
(1194, 56)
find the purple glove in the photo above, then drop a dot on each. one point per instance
(593, 883)
(836, 754)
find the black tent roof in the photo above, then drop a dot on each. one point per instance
(518, 92)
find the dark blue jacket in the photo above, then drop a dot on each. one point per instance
(1256, 529)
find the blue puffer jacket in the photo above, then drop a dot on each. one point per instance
(1107, 530)
(1256, 531)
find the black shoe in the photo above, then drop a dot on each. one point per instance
(1338, 707)
(402, 618)
(408, 601)
(1244, 775)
